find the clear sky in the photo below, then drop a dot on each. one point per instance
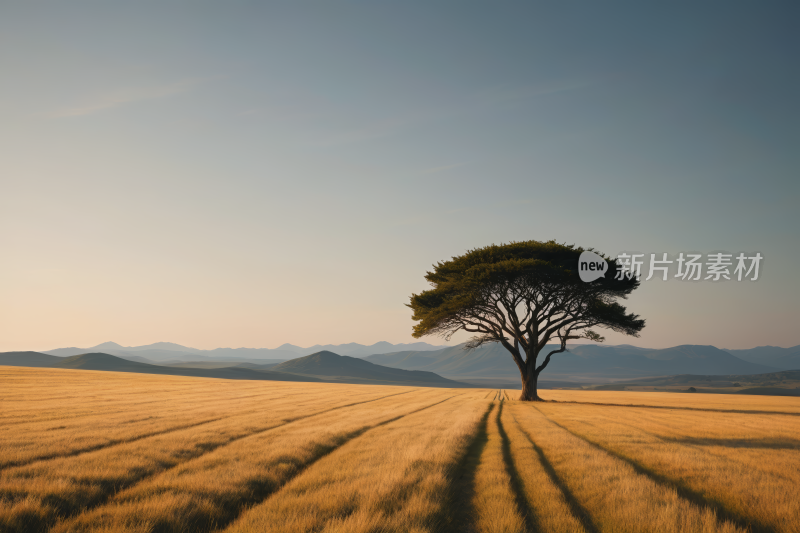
(246, 174)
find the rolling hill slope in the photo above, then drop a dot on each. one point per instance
(110, 363)
(34, 359)
(581, 363)
(782, 383)
(321, 367)
(333, 366)
(781, 358)
(167, 352)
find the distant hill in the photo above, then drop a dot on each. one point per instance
(781, 358)
(783, 383)
(162, 352)
(770, 391)
(321, 367)
(110, 363)
(770, 378)
(354, 349)
(104, 361)
(333, 366)
(261, 364)
(488, 365)
(582, 363)
(34, 359)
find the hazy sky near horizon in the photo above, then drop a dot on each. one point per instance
(245, 174)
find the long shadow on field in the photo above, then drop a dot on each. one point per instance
(402, 492)
(772, 444)
(676, 408)
(73, 504)
(108, 444)
(114, 442)
(221, 514)
(458, 515)
(516, 482)
(578, 510)
(685, 492)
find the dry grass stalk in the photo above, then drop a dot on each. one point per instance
(45, 490)
(494, 501)
(617, 498)
(740, 461)
(193, 454)
(723, 402)
(548, 506)
(214, 488)
(85, 416)
(392, 478)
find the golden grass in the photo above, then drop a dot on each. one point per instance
(549, 509)
(724, 402)
(616, 497)
(749, 464)
(46, 489)
(214, 488)
(66, 485)
(109, 452)
(393, 478)
(494, 501)
(64, 421)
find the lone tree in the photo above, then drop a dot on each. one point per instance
(522, 295)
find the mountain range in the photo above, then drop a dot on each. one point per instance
(332, 366)
(780, 358)
(168, 352)
(582, 363)
(319, 367)
(490, 365)
(111, 363)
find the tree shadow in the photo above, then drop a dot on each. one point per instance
(578, 510)
(773, 444)
(516, 480)
(458, 515)
(680, 487)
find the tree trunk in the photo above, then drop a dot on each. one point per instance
(530, 386)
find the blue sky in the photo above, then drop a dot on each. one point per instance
(250, 174)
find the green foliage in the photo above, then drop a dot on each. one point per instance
(522, 294)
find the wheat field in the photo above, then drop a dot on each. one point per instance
(84, 451)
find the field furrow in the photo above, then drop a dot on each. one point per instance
(46, 440)
(703, 403)
(618, 498)
(111, 452)
(459, 514)
(552, 507)
(39, 493)
(495, 503)
(82, 412)
(744, 486)
(212, 489)
(768, 443)
(392, 478)
(103, 432)
(95, 393)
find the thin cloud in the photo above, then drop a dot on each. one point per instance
(126, 96)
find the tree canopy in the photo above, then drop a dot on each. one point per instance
(522, 295)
